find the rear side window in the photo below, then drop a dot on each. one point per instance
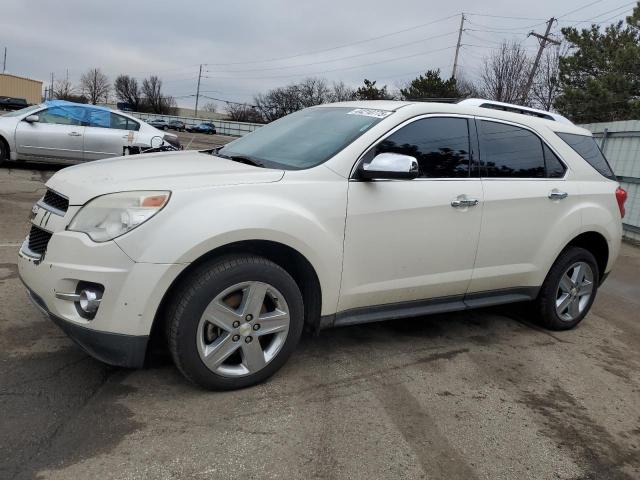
(123, 123)
(510, 152)
(588, 149)
(441, 146)
(555, 168)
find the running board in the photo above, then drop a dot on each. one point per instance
(418, 308)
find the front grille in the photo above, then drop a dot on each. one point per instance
(56, 201)
(38, 240)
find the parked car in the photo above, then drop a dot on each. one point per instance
(231, 252)
(11, 103)
(177, 125)
(159, 123)
(204, 127)
(66, 132)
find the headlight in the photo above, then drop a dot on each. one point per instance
(109, 216)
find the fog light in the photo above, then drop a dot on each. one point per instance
(89, 301)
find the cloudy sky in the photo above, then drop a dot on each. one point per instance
(251, 46)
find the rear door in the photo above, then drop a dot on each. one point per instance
(108, 134)
(58, 136)
(529, 208)
(408, 240)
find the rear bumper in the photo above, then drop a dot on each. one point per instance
(112, 348)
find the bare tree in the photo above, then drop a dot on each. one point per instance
(504, 73)
(210, 107)
(154, 100)
(127, 90)
(282, 101)
(341, 92)
(313, 91)
(95, 85)
(546, 84)
(241, 112)
(152, 91)
(63, 90)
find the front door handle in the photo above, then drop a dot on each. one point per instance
(462, 201)
(556, 194)
(75, 134)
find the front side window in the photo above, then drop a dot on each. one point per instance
(306, 138)
(588, 149)
(441, 146)
(61, 116)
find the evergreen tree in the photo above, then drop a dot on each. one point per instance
(600, 79)
(430, 85)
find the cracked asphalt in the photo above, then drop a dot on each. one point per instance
(475, 395)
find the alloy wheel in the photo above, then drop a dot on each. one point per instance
(574, 291)
(242, 329)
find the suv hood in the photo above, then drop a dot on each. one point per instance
(155, 171)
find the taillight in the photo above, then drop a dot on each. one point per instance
(621, 197)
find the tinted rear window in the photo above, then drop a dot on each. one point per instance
(588, 149)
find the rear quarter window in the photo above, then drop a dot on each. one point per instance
(588, 149)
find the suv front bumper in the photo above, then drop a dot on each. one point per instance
(119, 332)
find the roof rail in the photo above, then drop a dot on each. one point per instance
(510, 107)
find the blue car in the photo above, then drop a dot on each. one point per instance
(204, 127)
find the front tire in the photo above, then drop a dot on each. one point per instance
(4, 153)
(234, 322)
(569, 290)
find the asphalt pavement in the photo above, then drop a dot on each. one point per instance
(474, 395)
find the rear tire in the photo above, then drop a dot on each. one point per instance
(569, 290)
(234, 322)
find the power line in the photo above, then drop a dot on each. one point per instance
(339, 69)
(341, 58)
(358, 42)
(578, 9)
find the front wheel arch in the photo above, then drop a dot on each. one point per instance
(292, 261)
(5, 149)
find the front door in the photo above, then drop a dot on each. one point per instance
(58, 136)
(411, 240)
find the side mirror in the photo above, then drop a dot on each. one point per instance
(389, 166)
(32, 119)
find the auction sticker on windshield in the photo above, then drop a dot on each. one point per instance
(370, 112)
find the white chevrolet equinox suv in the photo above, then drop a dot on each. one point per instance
(335, 215)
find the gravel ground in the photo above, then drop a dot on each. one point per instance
(475, 395)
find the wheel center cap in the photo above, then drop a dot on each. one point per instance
(574, 291)
(245, 329)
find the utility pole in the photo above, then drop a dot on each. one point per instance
(4, 63)
(544, 39)
(455, 60)
(198, 90)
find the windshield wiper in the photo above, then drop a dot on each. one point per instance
(242, 159)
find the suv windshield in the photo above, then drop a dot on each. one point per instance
(306, 138)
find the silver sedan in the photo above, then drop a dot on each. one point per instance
(66, 132)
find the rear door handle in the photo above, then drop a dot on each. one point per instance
(556, 194)
(462, 201)
(75, 134)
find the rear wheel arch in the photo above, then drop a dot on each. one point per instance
(288, 258)
(595, 243)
